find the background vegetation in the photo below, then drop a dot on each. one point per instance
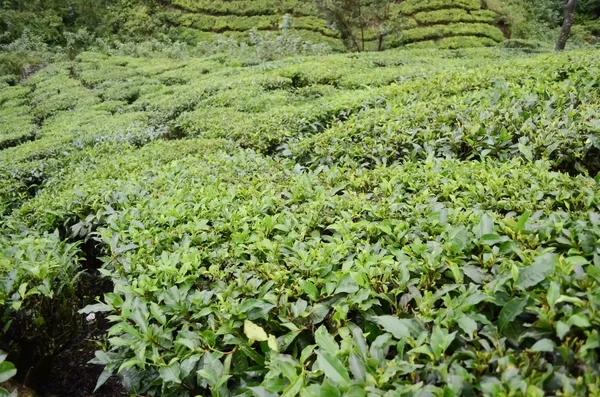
(191, 21)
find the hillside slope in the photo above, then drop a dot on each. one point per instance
(398, 223)
(448, 23)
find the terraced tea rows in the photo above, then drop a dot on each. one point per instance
(446, 24)
(395, 223)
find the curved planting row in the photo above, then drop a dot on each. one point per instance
(448, 24)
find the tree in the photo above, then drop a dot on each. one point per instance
(358, 21)
(570, 8)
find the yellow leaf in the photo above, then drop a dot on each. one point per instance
(254, 332)
(272, 342)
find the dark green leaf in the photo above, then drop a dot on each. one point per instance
(510, 311)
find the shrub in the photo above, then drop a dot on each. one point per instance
(263, 46)
(455, 15)
(523, 44)
(410, 7)
(453, 29)
(408, 222)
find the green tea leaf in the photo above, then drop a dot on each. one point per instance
(486, 225)
(7, 371)
(579, 321)
(260, 391)
(346, 285)
(510, 311)
(543, 345)
(95, 308)
(553, 293)
(467, 324)
(170, 373)
(395, 326)
(356, 391)
(310, 290)
(357, 367)
(360, 341)
(294, 387)
(333, 368)
(104, 376)
(533, 274)
(326, 341)
(440, 340)
(522, 221)
(562, 329)
(577, 260)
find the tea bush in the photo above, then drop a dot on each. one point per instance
(410, 222)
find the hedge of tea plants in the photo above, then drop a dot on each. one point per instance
(408, 222)
(447, 24)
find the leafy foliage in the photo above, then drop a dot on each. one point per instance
(7, 371)
(407, 222)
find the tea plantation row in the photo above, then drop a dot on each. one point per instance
(396, 223)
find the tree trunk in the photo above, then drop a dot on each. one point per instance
(362, 30)
(567, 23)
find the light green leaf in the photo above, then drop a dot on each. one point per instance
(359, 341)
(522, 221)
(543, 345)
(346, 285)
(553, 293)
(306, 353)
(571, 299)
(562, 329)
(538, 271)
(7, 371)
(440, 340)
(467, 324)
(356, 391)
(486, 225)
(579, 321)
(395, 326)
(294, 387)
(526, 151)
(333, 368)
(357, 367)
(576, 260)
(534, 391)
(311, 290)
(95, 308)
(325, 341)
(492, 239)
(157, 313)
(260, 391)
(170, 373)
